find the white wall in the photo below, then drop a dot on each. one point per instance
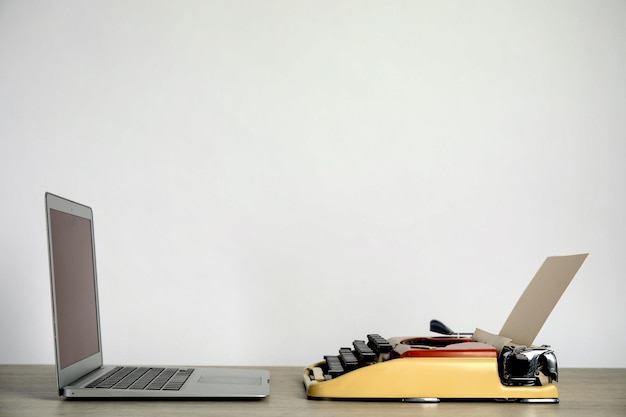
(274, 179)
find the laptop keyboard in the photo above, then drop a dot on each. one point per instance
(125, 377)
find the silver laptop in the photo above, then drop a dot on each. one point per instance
(76, 318)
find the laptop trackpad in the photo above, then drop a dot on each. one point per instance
(231, 380)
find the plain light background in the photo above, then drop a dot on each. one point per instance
(274, 179)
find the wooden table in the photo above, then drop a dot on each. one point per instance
(30, 390)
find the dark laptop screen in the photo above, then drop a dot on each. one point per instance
(74, 287)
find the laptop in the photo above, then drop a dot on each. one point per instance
(76, 318)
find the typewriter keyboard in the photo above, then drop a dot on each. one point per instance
(363, 353)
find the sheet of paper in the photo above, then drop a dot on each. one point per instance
(494, 340)
(540, 297)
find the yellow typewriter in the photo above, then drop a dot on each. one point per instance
(455, 366)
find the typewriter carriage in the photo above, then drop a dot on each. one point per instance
(518, 365)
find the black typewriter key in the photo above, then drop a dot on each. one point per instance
(378, 343)
(348, 360)
(335, 368)
(363, 352)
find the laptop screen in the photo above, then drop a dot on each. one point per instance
(74, 287)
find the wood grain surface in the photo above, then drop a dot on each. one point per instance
(30, 390)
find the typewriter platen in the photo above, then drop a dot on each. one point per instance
(455, 366)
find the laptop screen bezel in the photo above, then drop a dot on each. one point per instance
(84, 366)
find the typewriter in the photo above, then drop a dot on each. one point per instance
(454, 366)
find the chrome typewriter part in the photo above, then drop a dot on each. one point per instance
(521, 365)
